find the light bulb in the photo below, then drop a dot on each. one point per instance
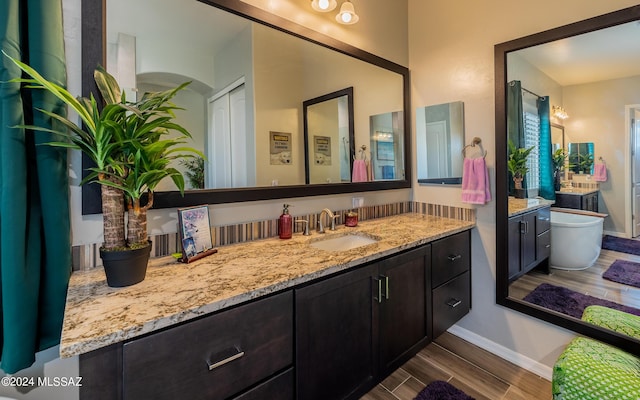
(346, 18)
(323, 4)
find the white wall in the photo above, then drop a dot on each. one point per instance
(451, 58)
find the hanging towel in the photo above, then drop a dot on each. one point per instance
(359, 171)
(600, 172)
(475, 181)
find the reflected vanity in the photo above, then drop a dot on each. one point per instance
(283, 70)
(519, 60)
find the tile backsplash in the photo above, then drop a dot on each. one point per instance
(87, 256)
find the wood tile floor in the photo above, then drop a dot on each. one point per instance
(478, 373)
(588, 281)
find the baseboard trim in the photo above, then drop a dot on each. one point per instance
(518, 359)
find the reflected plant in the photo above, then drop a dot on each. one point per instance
(195, 171)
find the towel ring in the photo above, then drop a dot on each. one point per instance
(475, 142)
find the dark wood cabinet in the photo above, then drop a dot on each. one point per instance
(529, 241)
(333, 338)
(353, 328)
(450, 281)
(587, 202)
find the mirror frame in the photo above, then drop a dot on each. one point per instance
(94, 53)
(502, 270)
(329, 96)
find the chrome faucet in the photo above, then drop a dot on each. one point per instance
(332, 217)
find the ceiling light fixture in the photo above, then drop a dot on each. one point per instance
(347, 14)
(324, 5)
(559, 112)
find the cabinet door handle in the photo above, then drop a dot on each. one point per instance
(229, 355)
(454, 257)
(386, 286)
(547, 246)
(453, 303)
(379, 297)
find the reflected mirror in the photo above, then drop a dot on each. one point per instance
(581, 158)
(328, 137)
(386, 159)
(439, 141)
(250, 72)
(591, 69)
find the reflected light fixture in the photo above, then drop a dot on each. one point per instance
(324, 5)
(559, 112)
(347, 14)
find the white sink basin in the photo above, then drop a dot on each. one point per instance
(343, 242)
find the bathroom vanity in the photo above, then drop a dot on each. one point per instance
(577, 198)
(276, 319)
(529, 236)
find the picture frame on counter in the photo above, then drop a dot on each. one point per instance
(195, 233)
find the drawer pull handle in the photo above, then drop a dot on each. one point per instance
(238, 354)
(453, 257)
(453, 303)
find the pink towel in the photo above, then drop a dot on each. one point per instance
(359, 171)
(599, 172)
(475, 181)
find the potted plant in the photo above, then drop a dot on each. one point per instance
(132, 152)
(558, 159)
(517, 165)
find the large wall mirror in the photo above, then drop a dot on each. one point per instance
(591, 69)
(251, 71)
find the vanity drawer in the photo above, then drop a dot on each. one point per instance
(543, 220)
(451, 302)
(450, 257)
(280, 387)
(214, 357)
(543, 245)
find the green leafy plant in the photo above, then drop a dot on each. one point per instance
(195, 171)
(517, 160)
(129, 144)
(558, 159)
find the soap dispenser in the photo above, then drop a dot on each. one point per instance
(285, 224)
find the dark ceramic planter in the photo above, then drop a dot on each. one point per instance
(125, 268)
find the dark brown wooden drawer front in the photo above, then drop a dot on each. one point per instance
(214, 357)
(450, 257)
(543, 245)
(280, 387)
(451, 302)
(543, 220)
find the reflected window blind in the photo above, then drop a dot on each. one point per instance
(532, 138)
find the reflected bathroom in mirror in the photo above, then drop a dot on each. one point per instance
(328, 137)
(542, 255)
(439, 141)
(235, 46)
(581, 158)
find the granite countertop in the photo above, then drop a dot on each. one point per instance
(521, 206)
(577, 191)
(97, 315)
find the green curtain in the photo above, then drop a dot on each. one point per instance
(515, 122)
(35, 248)
(545, 151)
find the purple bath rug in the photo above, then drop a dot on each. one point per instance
(441, 390)
(623, 271)
(622, 245)
(568, 302)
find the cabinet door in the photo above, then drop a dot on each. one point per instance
(528, 232)
(403, 305)
(335, 336)
(515, 239)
